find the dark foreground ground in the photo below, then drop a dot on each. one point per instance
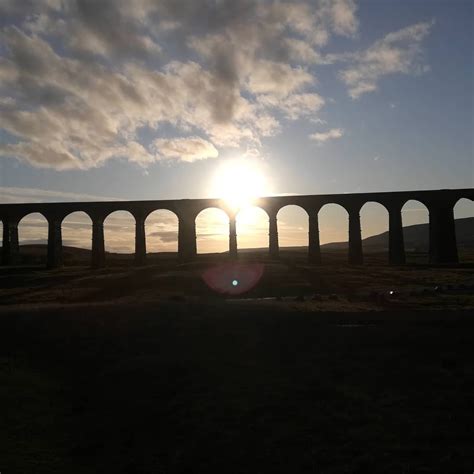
(234, 387)
(317, 369)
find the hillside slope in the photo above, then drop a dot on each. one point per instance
(416, 237)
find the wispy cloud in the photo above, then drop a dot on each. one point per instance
(185, 149)
(9, 194)
(331, 134)
(398, 52)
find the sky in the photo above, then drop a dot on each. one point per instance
(156, 99)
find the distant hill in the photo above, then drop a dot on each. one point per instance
(416, 237)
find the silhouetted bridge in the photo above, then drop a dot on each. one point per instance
(440, 204)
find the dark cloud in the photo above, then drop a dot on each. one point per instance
(11, 10)
(108, 28)
(165, 236)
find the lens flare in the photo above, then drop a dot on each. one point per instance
(233, 278)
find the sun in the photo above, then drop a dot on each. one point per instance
(239, 182)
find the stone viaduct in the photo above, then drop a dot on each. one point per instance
(440, 204)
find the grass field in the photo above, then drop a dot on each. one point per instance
(356, 287)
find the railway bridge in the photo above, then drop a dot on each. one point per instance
(440, 204)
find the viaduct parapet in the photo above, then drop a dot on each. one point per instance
(440, 204)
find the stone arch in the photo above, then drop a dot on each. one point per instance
(415, 221)
(293, 229)
(212, 231)
(252, 228)
(76, 231)
(464, 222)
(374, 223)
(119, 234)
(161, 231)
(33, 238)
(334, 233)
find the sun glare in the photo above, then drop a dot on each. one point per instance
(239, 182)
